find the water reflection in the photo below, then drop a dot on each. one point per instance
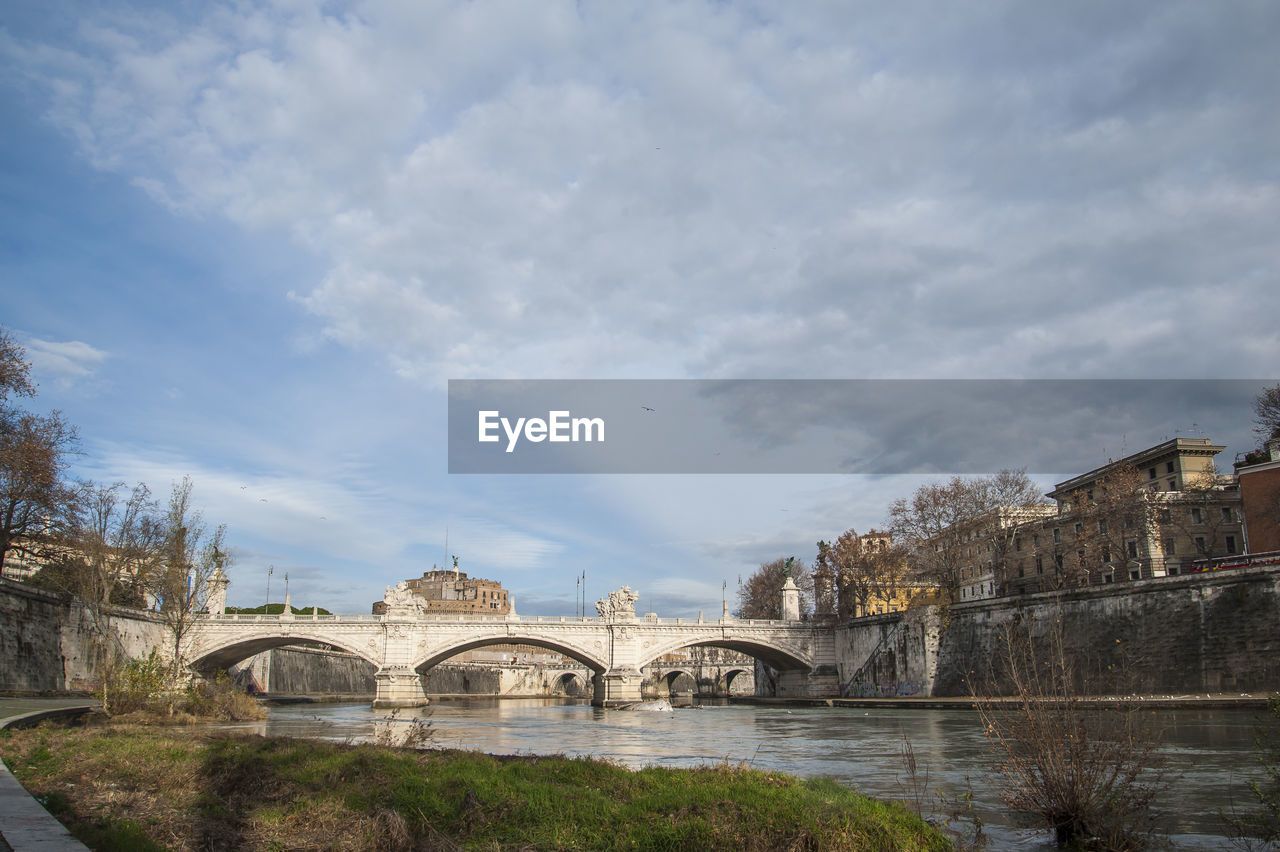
(1207, 752)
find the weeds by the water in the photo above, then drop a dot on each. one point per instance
(954, 815)
(189, 792)
(1257, 824)
(142, 690)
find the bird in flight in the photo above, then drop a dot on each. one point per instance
(646, 408)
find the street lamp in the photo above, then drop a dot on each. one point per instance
(271, 569)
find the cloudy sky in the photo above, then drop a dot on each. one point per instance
(252, 242)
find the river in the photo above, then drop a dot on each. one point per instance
(1207, 753)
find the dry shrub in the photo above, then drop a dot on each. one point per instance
(1082, 767)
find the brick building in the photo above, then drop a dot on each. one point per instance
(446, 592)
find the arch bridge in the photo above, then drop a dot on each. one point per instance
(402, 646)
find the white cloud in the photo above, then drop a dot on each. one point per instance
(702, 189)
(67, 363)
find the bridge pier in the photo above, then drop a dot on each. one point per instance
(617, 687)
(398, 686)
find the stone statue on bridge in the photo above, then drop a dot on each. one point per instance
(401, 600)
(620, 603)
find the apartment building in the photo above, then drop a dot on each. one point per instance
(988, 543)
(1149, 514)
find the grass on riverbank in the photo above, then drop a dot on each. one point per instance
(145, 788)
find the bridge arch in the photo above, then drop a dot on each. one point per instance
(670, 678)
(441, 653)
(725, 685)
(222, 655)
(780, 658)
(572, 684)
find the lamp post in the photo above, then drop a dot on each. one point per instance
(271, 569)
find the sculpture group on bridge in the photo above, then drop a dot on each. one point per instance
(620, 603)
(401, 600)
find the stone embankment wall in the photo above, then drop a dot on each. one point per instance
(47, 643)
(1200, 633)
(883, 656)
(306, 671)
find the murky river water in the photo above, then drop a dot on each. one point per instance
(1208, 752)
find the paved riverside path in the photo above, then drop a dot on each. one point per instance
(24, 824)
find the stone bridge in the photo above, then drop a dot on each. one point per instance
(403, 645)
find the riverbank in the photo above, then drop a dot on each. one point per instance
(146, 788)
(1242, 701)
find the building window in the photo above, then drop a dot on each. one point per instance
(1168, 468)
(1057, 561)
(1079, 526)
(1170, 547)
(1132, 547)
(1102, 525)
(1231, 544)
(1166, 517)
(1226, 514)
(1197, 517)
(1200, 545)
(1173, 485)
(1151, 473)
(1039, 565)
(1172, 569)
(1135, 574)
(1057, 536)
(1021, 571)
(1017, 544)
(1108, 578)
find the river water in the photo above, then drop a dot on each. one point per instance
(1208, 754)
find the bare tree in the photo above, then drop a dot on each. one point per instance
(1111, 525)
(761, 595)
(1085, 771)
(33, 452)
(1203, 515)
(1266, 409)
(104, 556)
(940, 523)
(191, 557)
(865, 569)
(34, 494)
(15, 371)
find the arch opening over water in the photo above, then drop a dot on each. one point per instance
(578, 655)
(226, 656)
